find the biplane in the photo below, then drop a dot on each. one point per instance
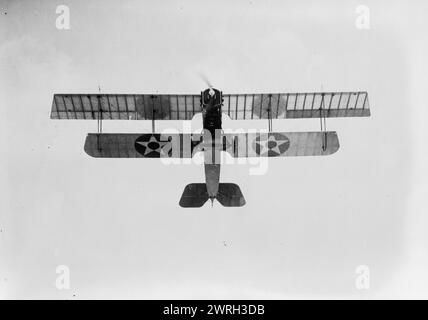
(212, 103)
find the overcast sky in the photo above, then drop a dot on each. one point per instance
(308, 222)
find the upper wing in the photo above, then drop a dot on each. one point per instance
(125, 106)
(296, 105)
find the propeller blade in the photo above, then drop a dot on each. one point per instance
(205, 79)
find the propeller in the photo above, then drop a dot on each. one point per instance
(205, 79)
(208, 83)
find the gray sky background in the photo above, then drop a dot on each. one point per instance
(308, 223)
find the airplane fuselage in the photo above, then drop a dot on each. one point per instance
(211, 101)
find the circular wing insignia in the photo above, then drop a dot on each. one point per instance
(270, 144)
(152, 146)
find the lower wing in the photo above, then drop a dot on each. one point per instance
(147, 145)
(156, 145)
(281, 144)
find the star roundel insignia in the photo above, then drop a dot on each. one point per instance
(151, 146)
(271, 145)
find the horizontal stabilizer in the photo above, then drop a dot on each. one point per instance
(194, 195)
(230, 195)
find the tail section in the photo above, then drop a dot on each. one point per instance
(230, 195)
(195, 195)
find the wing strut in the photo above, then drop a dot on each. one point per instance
(269, 110)
(323, 123)
(153, 113)
(99, 119)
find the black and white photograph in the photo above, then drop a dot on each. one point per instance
(191, 150)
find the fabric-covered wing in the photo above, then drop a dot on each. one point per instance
(147, 145)
(281, 144)
(296, 105)
(125, 106)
